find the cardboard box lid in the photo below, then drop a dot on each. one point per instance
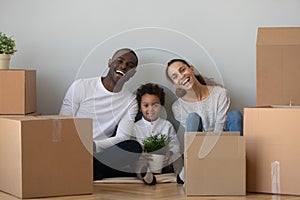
(278, 66)
(278, 36)
(17, 70)
(38, 117)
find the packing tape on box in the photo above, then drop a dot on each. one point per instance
(275, 177)
(56, 130)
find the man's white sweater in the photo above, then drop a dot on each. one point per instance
(88, 98)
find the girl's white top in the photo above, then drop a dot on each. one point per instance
(144, 128)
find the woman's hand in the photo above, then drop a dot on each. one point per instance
(147, 156)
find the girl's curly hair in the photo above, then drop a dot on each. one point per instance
(150, 88)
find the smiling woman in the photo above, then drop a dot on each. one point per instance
(201, 107)
(210, 103)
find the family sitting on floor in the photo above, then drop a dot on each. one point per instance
(118, 133)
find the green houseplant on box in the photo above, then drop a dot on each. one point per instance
(157, 145)
(7, 49)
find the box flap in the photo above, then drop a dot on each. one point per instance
(278, 36)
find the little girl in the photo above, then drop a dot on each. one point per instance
(151, 98)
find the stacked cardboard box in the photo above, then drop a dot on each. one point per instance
(271, 129)
(41, 156)
(17, 92)
(215, 163)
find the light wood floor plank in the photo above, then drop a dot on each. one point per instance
(170, 191)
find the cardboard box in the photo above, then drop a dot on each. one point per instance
(271, 130)
(278, 66)
(17, 91)
(29, 114)
(272, 146)
(44, 156)
(214, 163)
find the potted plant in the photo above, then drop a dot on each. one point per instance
(157, 145)
(7, 49)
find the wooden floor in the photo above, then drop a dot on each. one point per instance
(170, 191)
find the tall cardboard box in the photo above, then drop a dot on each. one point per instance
(44, 156)
(271, 129)
(278, 66)
(17, 91)
(214, 163)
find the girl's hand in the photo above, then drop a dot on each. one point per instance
(147, 156)
(167, 157)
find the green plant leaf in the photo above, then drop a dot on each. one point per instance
(7, 44)
(156, 143)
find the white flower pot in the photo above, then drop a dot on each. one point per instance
(4, 61)
(156, 164)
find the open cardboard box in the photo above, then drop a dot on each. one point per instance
(214, 163)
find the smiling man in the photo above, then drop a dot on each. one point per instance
(113, 109)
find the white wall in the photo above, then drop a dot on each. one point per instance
(67, 39)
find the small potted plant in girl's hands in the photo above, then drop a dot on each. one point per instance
(7, 49)
(157, 146)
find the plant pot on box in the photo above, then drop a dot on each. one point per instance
(5, 61)
(157, 146)
(7, 49)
